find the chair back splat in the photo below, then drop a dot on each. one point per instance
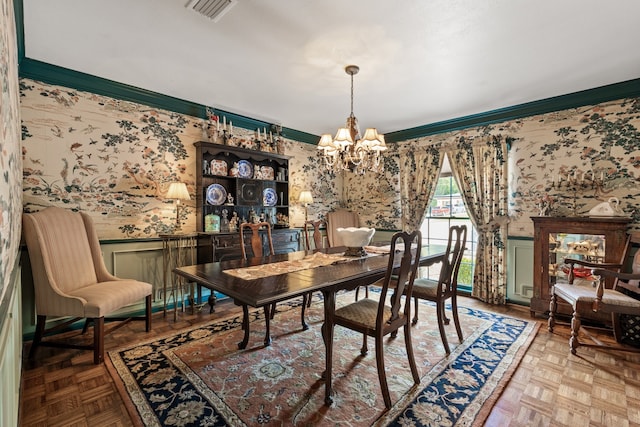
(316, 235)
(377, 318)
(255, 240)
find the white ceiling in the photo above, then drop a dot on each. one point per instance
(282, 61)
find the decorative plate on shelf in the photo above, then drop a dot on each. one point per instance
(267, 173)
(216, 194)
(218, 167)
(245, 169)
(269, 197)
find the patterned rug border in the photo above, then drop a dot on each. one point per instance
(475, 414)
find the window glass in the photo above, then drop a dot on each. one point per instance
(447, 209)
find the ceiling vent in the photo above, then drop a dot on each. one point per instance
(212, 9)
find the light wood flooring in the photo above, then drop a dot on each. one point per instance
(550, 387)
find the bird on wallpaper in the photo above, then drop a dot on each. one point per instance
(65, 171)
(75, 146)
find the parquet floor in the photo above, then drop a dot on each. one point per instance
(550, 387)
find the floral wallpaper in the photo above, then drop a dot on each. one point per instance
(600, 141)
(114, 159)
(10, 160)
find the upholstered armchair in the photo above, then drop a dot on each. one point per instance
(71, 280)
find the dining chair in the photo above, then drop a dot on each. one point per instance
(376, 318)
(342, 218)
(71, 281)
(257, 250)
(620, 300)
(446, 287)
(318, 243)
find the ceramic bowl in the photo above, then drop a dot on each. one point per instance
(355, 239)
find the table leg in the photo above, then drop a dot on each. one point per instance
(305, 301)
(245, 326)
(267, 319)
(327, 335)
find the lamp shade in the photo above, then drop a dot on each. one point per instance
(305, 197)
(326, 142)
(178, 190)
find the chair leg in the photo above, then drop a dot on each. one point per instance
(381, 373)
(575, 328)
(443, 334)
(456, 319)
(306, 298)
(415, 312)
(412, 360)
(309, 299)
(85, 328)
(98, 340)
(617, 329)
(365, 348)
(39, 333)
(553, 306)
(147, 320)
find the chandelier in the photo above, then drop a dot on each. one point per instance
(347, 151)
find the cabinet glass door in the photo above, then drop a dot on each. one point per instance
(587, 247)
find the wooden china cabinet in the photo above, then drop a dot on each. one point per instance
(596, 239)
(234, 181)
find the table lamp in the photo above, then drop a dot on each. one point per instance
(305, 198)
(178, 191)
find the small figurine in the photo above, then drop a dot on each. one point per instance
(229, 200)
(234, 170)
(233, 223)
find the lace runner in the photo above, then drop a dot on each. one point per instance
(315, 260)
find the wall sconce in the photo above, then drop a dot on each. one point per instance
(305, 198)
(178, 191)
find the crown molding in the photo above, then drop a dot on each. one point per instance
(627, 89)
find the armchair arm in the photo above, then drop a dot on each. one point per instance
(571, 262)
(615, 274)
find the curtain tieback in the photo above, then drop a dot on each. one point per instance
(494, 224)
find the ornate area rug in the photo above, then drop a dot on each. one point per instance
(199, 377)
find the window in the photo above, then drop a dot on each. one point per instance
(447, 209)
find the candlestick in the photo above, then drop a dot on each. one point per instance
(224, 122)
(230, 126)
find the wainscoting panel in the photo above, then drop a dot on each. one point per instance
(520, 270)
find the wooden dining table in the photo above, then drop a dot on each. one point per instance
(260, 292)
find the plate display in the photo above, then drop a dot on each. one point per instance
(218, 167)
(269, 197)
(267, 173)
(245, 169)
(216, 194)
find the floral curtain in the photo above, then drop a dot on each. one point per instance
(480, 168)
(419, 169)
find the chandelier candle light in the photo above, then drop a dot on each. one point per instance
(178, 191)
(347, 151)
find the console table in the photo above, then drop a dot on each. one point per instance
(178, 250)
